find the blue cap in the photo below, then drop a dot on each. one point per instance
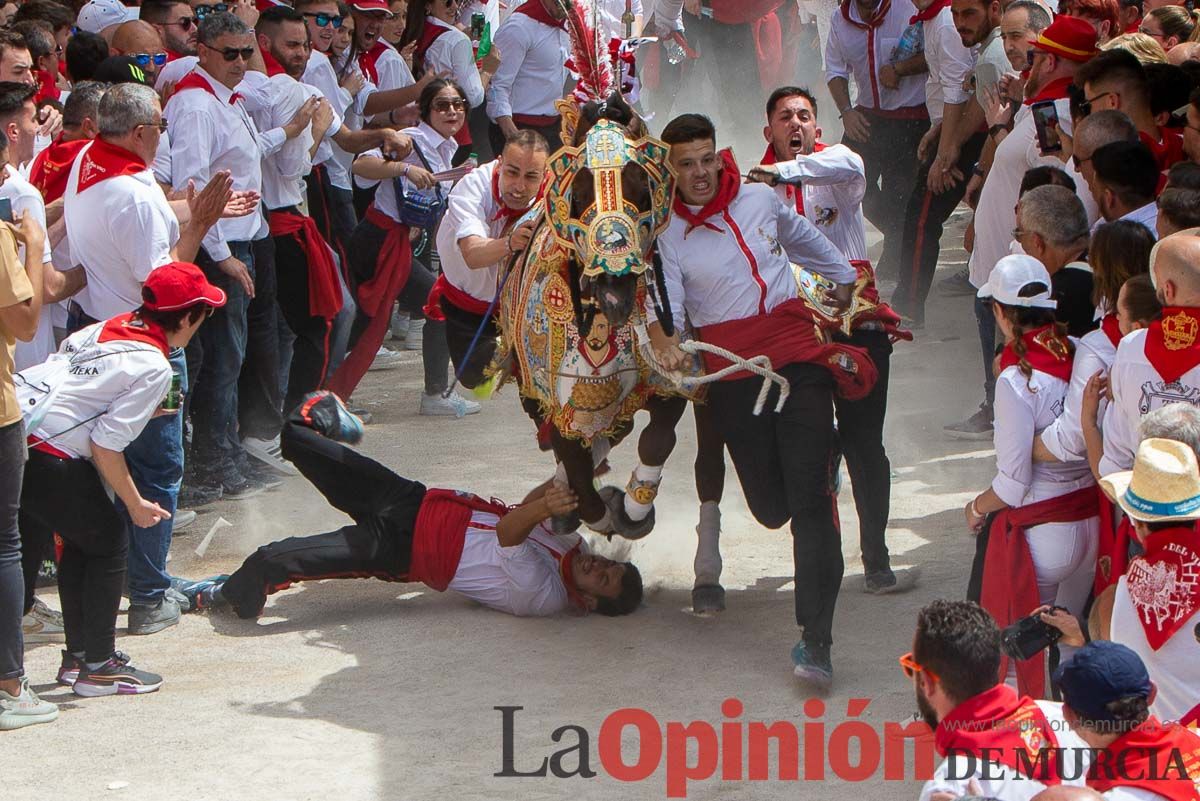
(1098, 674)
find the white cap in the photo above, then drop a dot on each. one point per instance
(100, 14)
(1012, 274)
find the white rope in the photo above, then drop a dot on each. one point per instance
(759, 365)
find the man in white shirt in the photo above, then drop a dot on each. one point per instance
(506, 559)
(534, 43)
(1126, 183)
(379, 62)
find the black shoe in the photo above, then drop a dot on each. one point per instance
(237, 487)
(325, 413)
(147, 619)
(115, 677)
(878, 582)
(976, 427)
(259, 473)
(195, 494)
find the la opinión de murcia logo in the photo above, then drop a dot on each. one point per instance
(632, 745)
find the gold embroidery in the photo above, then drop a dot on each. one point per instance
(1179, 331)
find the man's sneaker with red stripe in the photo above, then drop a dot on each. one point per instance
(68, 672)
(324, 412)
(116, 677)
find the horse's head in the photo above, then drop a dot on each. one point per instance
(608, 198)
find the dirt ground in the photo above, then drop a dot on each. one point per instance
(369, 690)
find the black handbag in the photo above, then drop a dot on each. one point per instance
(420, 208)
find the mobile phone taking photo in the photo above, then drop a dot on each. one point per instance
(1045, 122)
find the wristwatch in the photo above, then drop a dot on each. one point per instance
(996, 129)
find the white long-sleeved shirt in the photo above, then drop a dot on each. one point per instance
(833, 182)
(662, 15)
(609, 13)
(391, 72)
(321, 75)
(744, 269)
(532, 70)
(438, 151)
(471, 211)
(949, 61)
(452, 52)
(211, 132)
(25, 199)
(283, 171)
(1094, 353)
(854, 51)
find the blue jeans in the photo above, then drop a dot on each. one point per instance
(214, 361)
(12, 584)
(155, 462)
(987, 345)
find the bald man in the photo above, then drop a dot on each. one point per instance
(1184, 51)
(1158, 365)
(140, 40)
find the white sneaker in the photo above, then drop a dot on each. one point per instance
(24, 709)
(416, 334)
(267, 451)
(386, 359)
(182, 519)
(42, 624)
(399, 327)
(454, 406)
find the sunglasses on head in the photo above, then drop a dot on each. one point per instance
(201, 11)
(144, 59)
(324, 20)
(445, 105)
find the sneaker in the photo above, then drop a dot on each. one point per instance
(182, 519)
(150, 619)
(68, 672)
(454, 406)
(237, 487)
(416, 334)
(116, 677)
(813, 666)
(267, 451)
(324, 412)
(957, 284)
(195, 494)
(42, 624)
(399, 327)
(879, 582)
(205, 594)
(976, 427)
(258, 473)
(386, 359)
(24, 709)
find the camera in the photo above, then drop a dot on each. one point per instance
(1028, 636)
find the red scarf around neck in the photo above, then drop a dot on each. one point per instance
(132, 328)
(368, 60)
(566, 563)
(503, 211)
(1162, 585)
(536, 11)
(1168, 150)
(429, 34)
(794, 193)
(1111, 327)
(194, 80)
(102, 161)
(1173, 342)
(1149, 758)
(1045, 350)
(874, 21)
(272, 64)
(729, 183)
(47, 88)
(1000, 719)
(1055, 90)
(929, 13)
(52, 167)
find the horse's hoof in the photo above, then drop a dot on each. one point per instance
(614, 499)
(708, 599)
(565, 524)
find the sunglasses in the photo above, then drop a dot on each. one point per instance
(1085, 108)
(446, 106)
(324, 20)
(234, 53)
(186, 23)
(911, 667)
(144, 59)
(201, 11)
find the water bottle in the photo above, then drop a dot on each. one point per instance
(472, 161)
(675, 52)
(911, 43)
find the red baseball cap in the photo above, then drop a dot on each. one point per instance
(1067, 37)
(179, 285)
(371, 5)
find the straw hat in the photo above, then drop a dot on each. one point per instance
(1164, 483)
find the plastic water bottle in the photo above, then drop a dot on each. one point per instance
(911, 43)
(472, 161)
(675, 52)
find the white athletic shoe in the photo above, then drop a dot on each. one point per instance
(454, 406)
(386, 359)
(268, 452)
(182, 519)
(42, 624)
(24, 709)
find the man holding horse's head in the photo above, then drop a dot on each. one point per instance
(727, 257)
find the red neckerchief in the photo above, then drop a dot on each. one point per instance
(130, 327)
(1045, 350)
(1111, 328)
(47, 88)
(429, 34)
(368, 60)
(729, 183)
(272, 64)
(874, 21)
(503, 211)
(173, 56)
(1148, 757)
(1167, 152)
(609, 355)
(929, 13)
(536, 11)
(194, 80)
(566, 561)
(52, 167)
(103, 160)
(1001, 720)
(1162, 583)
(1055, 90)
(1171, 342)
(794, 193)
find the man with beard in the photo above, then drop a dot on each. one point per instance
(176, 24)
(954, 666)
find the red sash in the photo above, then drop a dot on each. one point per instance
(194, 80)
(102, 161)
(1009, 590)
(324, 291)
(998, 719)
(1112, 555)
(929, 13)
(368, 60)
(788, 335)
(1163, 583)
(1111, 327)
(536, 11)
(794, 193)
(882, 313)
(441, 531)
(1152, 757)
(444, 290)
(52, 167)
(393, 265)
(1167, 152)
(1045, 350)
(132, 328)
(1171, 342)
(729, 183)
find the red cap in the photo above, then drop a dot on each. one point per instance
(1071, 38)
(371, 5)
(179, 285)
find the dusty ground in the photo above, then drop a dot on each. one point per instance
(370, 690)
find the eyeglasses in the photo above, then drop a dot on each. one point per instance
(1017, 233)
(911, 667)
(201, 11)
(1085, 108)
(161, 125)
(234, 53)
(445, 105)
(1078, 162)
(187, 23)
(1152, 34)
(324, 20)
(144, 59)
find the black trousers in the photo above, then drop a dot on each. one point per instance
(260, 406)
(860, 434)
(330, 221)
(784, 464)
(890, 160)
(924, 218)
(383, 506)
(310, 351)
(461, 326)
(67, 496)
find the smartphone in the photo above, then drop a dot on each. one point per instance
(1045, 122)
(6, 209)
(987, 77)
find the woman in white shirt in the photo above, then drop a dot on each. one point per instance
(442, 48)
(443, 107)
